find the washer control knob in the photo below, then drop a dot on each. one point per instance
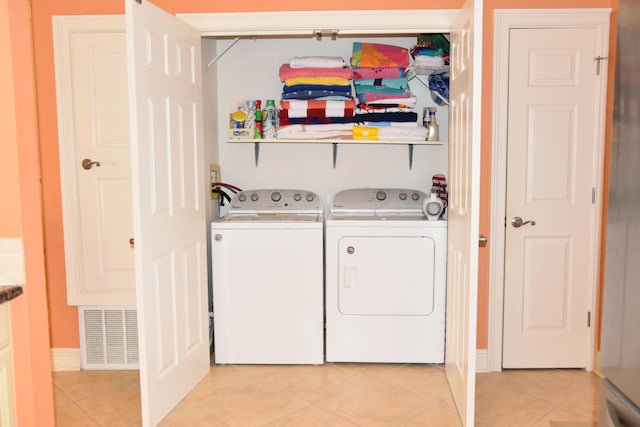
(217, 237)
(381, 195)
(254, 197)
(242, 197)
(415, 196)
(310, 197)
(297, 197)
(350, 250)
(403, 196)
(276, 196)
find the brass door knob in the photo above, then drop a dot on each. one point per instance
(88, 164)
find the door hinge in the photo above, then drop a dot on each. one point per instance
(598, 59)
(593, 196)
(588, 319)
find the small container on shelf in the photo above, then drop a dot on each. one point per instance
(433, 127)
(237, 130)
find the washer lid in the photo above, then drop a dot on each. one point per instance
(377, 201)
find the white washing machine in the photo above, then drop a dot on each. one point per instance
(267, 260)
(385, 278)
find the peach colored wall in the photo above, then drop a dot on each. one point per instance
(20, 193)
(64, 324)
(10, 223)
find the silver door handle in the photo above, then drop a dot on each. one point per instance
(88, 164)
(517, 222)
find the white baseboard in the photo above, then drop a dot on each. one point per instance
(65, 359)
(68, 359)
(482, 360)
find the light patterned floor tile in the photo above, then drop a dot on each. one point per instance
(311, 416)
(114, 407)
(375, 404)
(333, 394)
(444, 414)
(500, 406)
(71, 415)
(81, 384)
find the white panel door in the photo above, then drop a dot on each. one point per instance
(464, 208)
(93, 117)
(169, 192)
(551, 157)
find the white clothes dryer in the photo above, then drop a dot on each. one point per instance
(385, 278)
(267, 262)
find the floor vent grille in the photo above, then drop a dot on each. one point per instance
(108, 337)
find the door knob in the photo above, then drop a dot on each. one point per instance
(517, 222)
(132, 243)
(88, 164)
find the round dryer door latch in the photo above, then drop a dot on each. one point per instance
(350, 250)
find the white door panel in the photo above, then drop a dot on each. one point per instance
(464, 208)
(551, 172)
(91, 85)
(169, 206)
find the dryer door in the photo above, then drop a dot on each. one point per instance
(391, 275)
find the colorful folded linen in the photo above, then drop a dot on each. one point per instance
(313, 121)
(370, 97)
(402, 133)
(409, 102)
(396, 83)
(429, 62)
(384, 108)
(287, 72)
(323, 131)
(362, 89)
(329, 105)
(401, 116)
(316, 93)
(298, 113)
(378, 55)
(320, 80)
(317, 61)
(378, 73)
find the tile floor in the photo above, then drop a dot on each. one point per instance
(334, 395)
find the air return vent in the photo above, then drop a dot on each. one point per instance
(108, 337)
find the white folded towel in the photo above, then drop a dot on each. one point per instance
(317, 62)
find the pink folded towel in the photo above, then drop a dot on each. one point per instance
(286, 72)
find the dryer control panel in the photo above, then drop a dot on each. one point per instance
(378, 200)
(275, 201)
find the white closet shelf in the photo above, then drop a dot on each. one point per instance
(335, 143)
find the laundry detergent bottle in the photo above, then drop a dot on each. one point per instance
(270, 120)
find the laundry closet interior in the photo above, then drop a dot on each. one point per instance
(241, 67)
(247, 68)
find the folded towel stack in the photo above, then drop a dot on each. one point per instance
(431, 52)
(316, 91)
(385, 102)
(431, 57)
